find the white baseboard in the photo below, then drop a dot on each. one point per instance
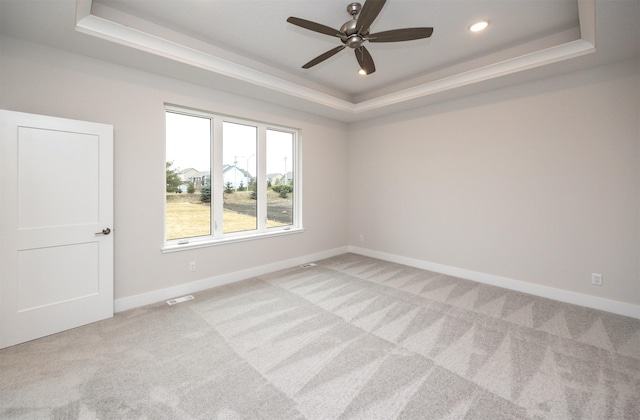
(155, 296)
(608, 305)
(594, 302)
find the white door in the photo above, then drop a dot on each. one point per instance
(56, 222)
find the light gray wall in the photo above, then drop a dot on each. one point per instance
(42, 80)
(538, 182)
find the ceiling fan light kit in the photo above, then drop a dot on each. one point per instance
(355, 32)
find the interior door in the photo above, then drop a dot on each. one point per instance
(56, 222)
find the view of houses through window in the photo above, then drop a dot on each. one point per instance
(239, 149)
(241, 180)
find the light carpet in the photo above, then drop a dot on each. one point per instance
(352, 337)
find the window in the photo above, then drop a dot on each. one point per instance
(228, 179)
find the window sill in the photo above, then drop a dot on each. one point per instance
(203, 243)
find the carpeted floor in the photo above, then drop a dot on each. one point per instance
(352, 337)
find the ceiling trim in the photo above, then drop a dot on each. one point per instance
(124, 35)
(524, 62)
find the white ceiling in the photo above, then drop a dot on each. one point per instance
(246, 46)
(258, 30)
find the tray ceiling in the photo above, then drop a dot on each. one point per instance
(247, 46)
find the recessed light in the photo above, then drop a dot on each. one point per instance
(479, 26)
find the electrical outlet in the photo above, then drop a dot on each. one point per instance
(596, 279)
(361, 238)
(192, 266)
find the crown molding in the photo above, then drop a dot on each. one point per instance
(330, 105)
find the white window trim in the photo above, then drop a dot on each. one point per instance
(218, 237)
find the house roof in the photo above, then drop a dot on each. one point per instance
(227, 168)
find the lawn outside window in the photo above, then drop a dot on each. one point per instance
(228, 179)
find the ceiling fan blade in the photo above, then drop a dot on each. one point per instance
(396, 35)
(368, 14)
(324, 56)
(365, 60)
(316, 27)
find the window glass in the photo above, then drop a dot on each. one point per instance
(238, 173)
(280, 178)
(188, 176)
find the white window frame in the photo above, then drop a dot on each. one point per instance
(217, 236)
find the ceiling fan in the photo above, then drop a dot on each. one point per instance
(355, 32)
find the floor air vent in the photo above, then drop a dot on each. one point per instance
(180, 299)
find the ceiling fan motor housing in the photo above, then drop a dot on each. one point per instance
(353, 39)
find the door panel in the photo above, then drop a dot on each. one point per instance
(51, 193)
(57, 274)
(56, 196)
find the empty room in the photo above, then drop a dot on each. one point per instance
(319, 209)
